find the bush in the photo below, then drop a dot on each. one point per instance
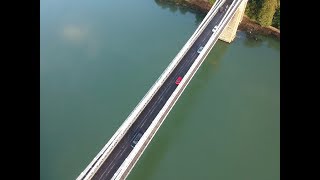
(212, 1)
(266, 13)
(276, 19)
(253, 8)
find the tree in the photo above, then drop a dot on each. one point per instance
(266, 13)
(253, 8)
(212, 1)
(276, 19)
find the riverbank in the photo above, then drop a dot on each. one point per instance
(246, 24)
(253, 27)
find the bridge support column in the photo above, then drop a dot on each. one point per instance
(229, 33)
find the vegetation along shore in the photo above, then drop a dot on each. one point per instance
(261, 16)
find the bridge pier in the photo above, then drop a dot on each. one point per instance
(229, 33)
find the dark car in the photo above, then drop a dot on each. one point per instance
(136, 139)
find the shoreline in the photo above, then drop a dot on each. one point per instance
(247, 25)
(254, 28)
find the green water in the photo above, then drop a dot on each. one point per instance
(99, 58)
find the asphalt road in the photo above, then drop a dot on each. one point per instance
(123, 149)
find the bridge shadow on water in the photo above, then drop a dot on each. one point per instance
(181, 7)
(214, 57)
(172, 127)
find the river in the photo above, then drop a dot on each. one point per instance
(99, 58)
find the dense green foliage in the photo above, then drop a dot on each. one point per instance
(276, 19)
(212, 1)
(253, 8)
(265, 12)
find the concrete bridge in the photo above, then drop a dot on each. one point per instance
(120, 154)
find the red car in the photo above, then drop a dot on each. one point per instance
(178, 80)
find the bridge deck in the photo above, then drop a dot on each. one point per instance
(123, 149)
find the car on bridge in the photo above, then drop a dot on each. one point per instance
(200, 49)
(178, 80)
(214, 29)
(221, 9)
(136, 139)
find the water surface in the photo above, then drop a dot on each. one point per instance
(99, 58)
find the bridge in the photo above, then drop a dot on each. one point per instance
(120, 154)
